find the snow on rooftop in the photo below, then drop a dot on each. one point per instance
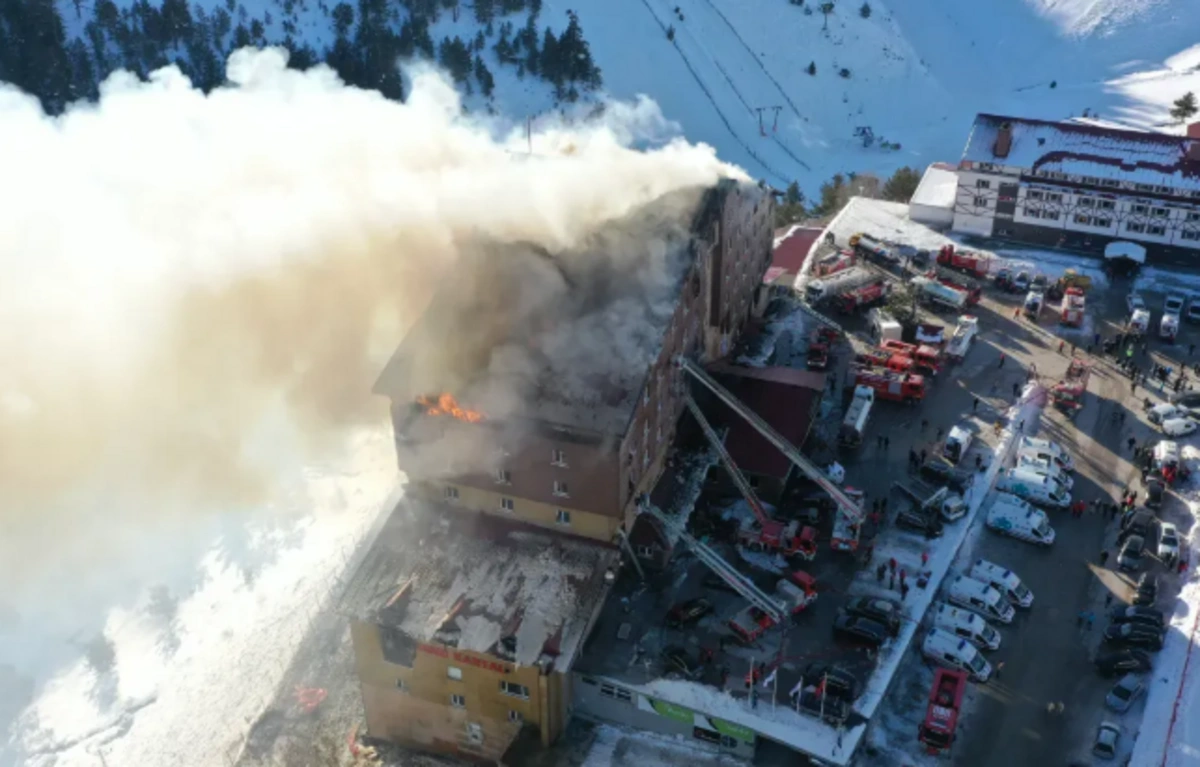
(470, 580)
(937, 188)
(1086, 150)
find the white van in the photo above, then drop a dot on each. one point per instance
(958, 441)
(1036, 488)
(1012, 516)
(945, 649)
(1003, 580)
(1048, 450)
(966, 625)
(967, 592)
(1045, 467)
(883, 326)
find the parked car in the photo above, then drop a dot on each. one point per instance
(1186, 399)
(1179, 427)
(680, 662)
(1193, 310)
(1130, 557)
(1122, 661)
(1147, 590)
(1125, 693)
(1108, 735)
(927, 523)
(688, 612)
(1168, 542)
(1134, 635)
(839, 682)
(1173, 304)
(1164, 411)
(1154, 492)
(858, 630)
(943, 472)
(1133, 302)
(1132, 614)
(885, 612)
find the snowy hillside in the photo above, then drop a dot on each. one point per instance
(736, 73)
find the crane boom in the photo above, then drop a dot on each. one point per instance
(727, 459)
(845, 504)
(725, 571)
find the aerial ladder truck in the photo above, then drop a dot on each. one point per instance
(849, 509)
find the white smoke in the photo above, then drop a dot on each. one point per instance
(186, 274)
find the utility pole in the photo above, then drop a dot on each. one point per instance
(762, 129)
(529, 133)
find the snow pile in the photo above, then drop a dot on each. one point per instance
(618, 746)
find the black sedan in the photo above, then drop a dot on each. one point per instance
(1147, 591)
(1122, 662)
(688, 612)
(680, 662)
(858, 630)
(943, 472)
(839, 682)
(1134, 635)
(885, 612)
(911, 518)
(1147, 616)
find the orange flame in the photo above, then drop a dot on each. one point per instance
(445, 404)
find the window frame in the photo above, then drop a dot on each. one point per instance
(562, 517)
(458, 700)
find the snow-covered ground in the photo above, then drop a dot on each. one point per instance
(174, 673)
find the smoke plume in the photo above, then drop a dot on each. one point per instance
(196, 285)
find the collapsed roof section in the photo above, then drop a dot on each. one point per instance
(480, 583)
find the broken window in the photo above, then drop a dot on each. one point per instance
(474, 733)
(560, 488)
(558, 457)
(503, 476)
(397, 647)
(514, 689)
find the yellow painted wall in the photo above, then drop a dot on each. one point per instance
(422, 713)
(583, 523)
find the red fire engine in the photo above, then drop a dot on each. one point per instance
(819, 344)
(1068, 393)
(1073, 305)
(879, 358)
(908, 388)
(964, 260)
(967, 286)
(945, 702)
(833, 263)
(927, 358)
(867, 295)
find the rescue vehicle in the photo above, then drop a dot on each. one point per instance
(908, 388)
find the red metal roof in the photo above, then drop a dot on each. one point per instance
(792, 250)
(785, 398)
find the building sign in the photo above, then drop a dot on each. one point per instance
(704, 727)
(463, 658)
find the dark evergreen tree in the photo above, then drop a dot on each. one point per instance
(487, 84)
(343, 19)
(485, 11)
(548, 61)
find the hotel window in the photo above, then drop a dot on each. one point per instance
(1051, 215)
(1053, 197)
(645, 551)
(1105, 205)
(1082, 219)
(458, 701)
(474, 733)
(558, 457)
(1109, 182)
(515, 690)
(506, 504)
(503, 476)
(560, 488)
(1136, 228)
(563, 517)
(1156, 230)
(1034, 194)
(1033, 213)
(454, 672)
(983, 183)
(1163, 189)
(1086, 202)
(1144, 187)
(1193, 217)
(1138, 208)
(450, 493)
(1187, 234)
(401, 685)
(1105, 222)
(612, 691)
(515, 717)
(981, 202)
(1160, 212)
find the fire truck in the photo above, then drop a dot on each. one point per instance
(867, 295)
(873, 249)
(962, 338)
(822, 339)
(845, 529)
(945, 703)
(833, 263)
(927, 358)
(819, 290)
(1073, 304)
(885, 360)
(958, 282)
(797, 591)
(971, 262)
(933, 291)
(908, 388)
(1068, 393)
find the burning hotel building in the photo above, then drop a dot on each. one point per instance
(532, 403)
